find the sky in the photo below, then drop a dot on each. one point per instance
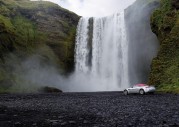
(94, 8)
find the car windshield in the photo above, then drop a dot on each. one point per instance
(140, 85)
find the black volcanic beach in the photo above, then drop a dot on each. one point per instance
(100, 109)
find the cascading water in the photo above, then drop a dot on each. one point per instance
(81, 49)
(108, 70)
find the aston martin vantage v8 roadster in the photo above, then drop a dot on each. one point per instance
(140, 89)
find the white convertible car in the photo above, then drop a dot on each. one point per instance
(140, 89)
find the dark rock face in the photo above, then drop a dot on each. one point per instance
(90, 40)
(143, 44)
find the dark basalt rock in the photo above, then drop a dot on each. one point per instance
(47, 89)
(104, 109)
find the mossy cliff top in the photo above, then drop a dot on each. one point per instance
(165, 67)
(38, 28)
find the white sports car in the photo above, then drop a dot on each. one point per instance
(140, 88)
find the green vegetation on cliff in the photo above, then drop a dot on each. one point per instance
(165, 67)
(38, 28)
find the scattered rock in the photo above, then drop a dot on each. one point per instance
(176, 116)
(85, 121)
(64, 123)
(60, 117)
(45, 110)
(72, 122)
(17, 123)
(34, 124)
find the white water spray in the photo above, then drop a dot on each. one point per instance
(109, 68)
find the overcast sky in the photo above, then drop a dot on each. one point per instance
(95, 8)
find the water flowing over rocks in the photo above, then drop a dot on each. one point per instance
(102, 52)
(105, 109)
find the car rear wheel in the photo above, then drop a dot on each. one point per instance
(125, 92)
(141, 92)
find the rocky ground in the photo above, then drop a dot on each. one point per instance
(105, 109)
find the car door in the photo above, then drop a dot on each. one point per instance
(136, 90)
(132, 90)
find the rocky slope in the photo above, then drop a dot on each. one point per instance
(40, 29)
(165, 67)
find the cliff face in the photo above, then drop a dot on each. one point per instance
(143, 43)
(165, 67)
(41, 29)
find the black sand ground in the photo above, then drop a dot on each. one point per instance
(106, 109)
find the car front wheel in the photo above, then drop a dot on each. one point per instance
(125, 92)
(141, 92)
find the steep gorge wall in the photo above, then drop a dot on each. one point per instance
(41, 29)
(165, 67)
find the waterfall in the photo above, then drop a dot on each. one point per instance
(81, 49)
(109, 58)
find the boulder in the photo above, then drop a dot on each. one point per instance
(47, 89)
